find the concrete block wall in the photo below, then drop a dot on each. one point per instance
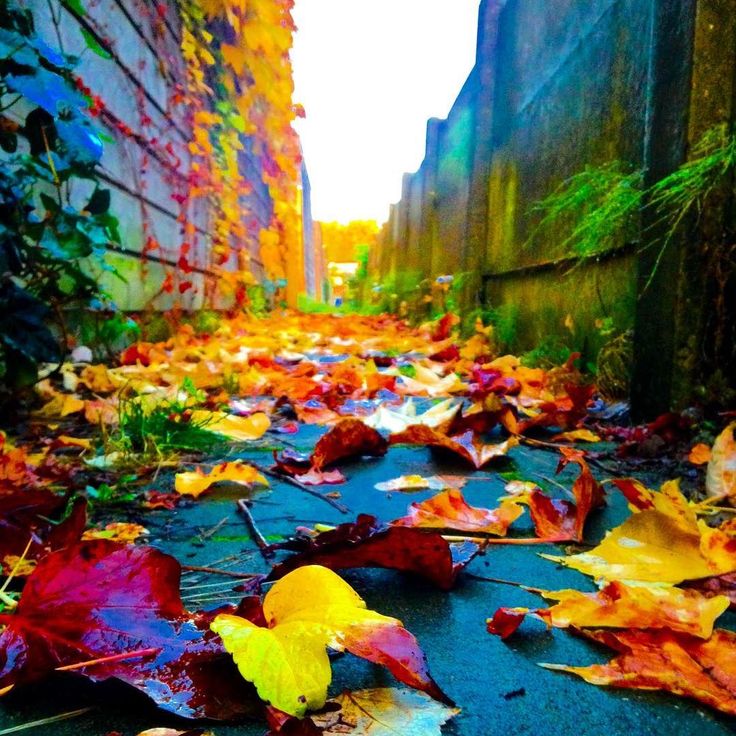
(146, 168)
(558, 85)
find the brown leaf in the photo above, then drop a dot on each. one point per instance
(348, 438)
(467, 445)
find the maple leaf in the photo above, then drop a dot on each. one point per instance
(665, 660)
(117, 607)
(720, 478)
(196, 482)
(348, 438)
(467, 445)
(449, 510)
(307, 611)
(621, 606)
(368, 543)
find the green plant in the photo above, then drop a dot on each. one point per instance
(49, 234)
(551, 352)
(603, 204)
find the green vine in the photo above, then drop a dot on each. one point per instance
(55, 224)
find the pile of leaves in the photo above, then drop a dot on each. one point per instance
(93, 601)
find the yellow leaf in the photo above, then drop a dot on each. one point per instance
(584, 435)
(720, 479)
(699, 454)
(288, 664)
(654, 547)
(195, 483)
(240, 429)
(308, 610)
(60, 405)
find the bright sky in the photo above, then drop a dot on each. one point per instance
(370, 73)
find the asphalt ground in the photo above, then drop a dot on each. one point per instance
(499, 686)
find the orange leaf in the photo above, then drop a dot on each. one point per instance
(664, 660)
(197, 482)
(624, 606)
(699, 454)
(449, 510)
(720, 479)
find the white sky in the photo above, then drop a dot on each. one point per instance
(370, 73)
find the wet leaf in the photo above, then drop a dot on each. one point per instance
(368, 543)
(468, 445)
(413, 483)
(348, 438)
(449, 510)
(384, 712)
(307, 611)
(623, 606)
(664, 660)
(720, 478)
(196, 482)
(398, 420)
(102, 601)
(239, 429)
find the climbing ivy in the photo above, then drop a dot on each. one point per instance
(55, 224)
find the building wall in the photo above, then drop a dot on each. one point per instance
(147, 165)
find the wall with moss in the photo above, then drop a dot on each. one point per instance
(558, 86)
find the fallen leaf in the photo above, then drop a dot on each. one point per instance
(119, 531)
(239, 429)
(37, 517)
(398, 420)
(654, 547)
(720, 477)
(717, 585)
(384, 712)
(412, 483)
(368, 543)
(305, 612)
(664, 660)
(625, 607)
(61, 405)
(699, 454)
(449, 510)
(100, 601)
(467, 445)
(348, 438)
(577, 435)
(196, 482)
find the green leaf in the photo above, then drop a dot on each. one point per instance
(76, 6)
(94, 46)
(99, 202)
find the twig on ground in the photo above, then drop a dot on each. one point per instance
(255, 533)
(216, 571)
(46, 721)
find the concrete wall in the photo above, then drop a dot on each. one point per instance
(558, 85)
(148, 165)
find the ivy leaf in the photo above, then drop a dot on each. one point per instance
(305, 612)
(99, 202)
(94, 45)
